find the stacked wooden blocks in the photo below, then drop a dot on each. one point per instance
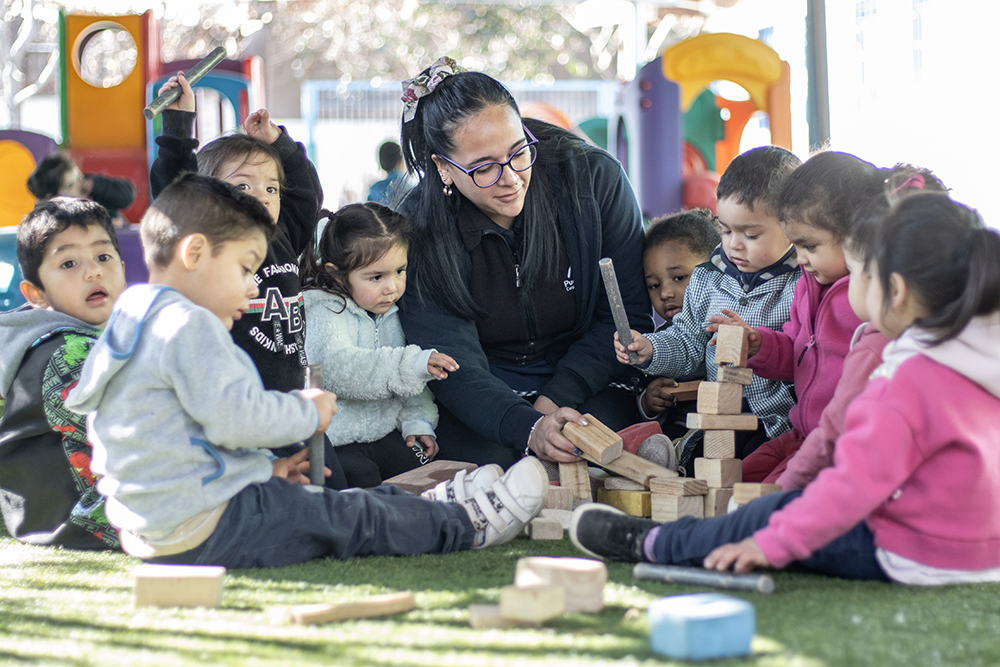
(720, 405)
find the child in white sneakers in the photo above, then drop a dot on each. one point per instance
(181, 423)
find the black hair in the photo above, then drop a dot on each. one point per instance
(754, 178)
(827, 190)
(389, 155)
(696, 228)
(946, 255)
(237, 147)
(437, 246)
(50, 217)
(354, 237)
(45, 181)
(198, 204)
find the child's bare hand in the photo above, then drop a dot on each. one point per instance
(657, 396)
(186, 101)
(326, 403)
(295, 468)
(428, 443)
(640, 345)
(439, 365)
(259, 126)
(742, 556)
(751, 335)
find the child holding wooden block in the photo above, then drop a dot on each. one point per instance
(914, 493)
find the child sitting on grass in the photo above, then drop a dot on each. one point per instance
(913, 495)
(753, 272)
(73, 274)
(180, 421)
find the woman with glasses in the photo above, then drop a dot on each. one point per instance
(512, 216)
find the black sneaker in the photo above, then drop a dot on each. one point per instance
(606, 532)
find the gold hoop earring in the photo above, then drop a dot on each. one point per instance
(447, 190)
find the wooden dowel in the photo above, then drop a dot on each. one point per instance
(672, 574)
(617, 307)
(317, 457)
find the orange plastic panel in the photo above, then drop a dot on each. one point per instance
(16, 164)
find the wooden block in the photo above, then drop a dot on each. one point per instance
(582, 579)
(633, 503)
(703, 626)
(730, 346)
(638, 469)
(718, 473)
(541, 528)
(685, 391)
(720, 398)
(736, 375)
(598, 442)
(678, 486)
(564, 517)
(622, 484)
(487, 616)
(378, 605)
(720, 444)
(743, 422)
(666, 507)
(178, 585)
(717, 502)
(574, 476)
(428, 476)
(532, 604)
(558, 498)
(744, 492)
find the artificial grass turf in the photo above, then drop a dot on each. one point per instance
(72, 608)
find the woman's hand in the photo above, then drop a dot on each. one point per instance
(439, 365)
(751, 335)
(186, 101)
(742, 556)
(428, 443)
(548, 442)
(640, 345)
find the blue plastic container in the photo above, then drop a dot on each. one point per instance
(703, 626)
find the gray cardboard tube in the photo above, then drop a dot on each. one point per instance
(203, 67)
(617, 307)
(317, 456)
(696, 576)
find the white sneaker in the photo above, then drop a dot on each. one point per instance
(464, 485)
(499, 513)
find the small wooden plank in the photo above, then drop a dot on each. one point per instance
(638, 469)
(598, 442)
(731, 346)
(633, 503)
(622, 484)
(718, 473)
(558, 498)
(574, 476)
(720, 398)
(564, 517)
(430, 475)
(720, 444)
(744, 422)
(717, 502)
(178, 585)
(583, 579)
(532, 604)
(736, 375)
(744, 492)
(487, 616)
(678, 486)
(373, 607)
(666, 507)
(541, 528)
(685, 391)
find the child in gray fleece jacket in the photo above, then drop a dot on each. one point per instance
(181, 423)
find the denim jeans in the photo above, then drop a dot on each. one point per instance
(279, 523)
(688, 540)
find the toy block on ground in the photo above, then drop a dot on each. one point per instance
(703, 626)
(735, 375)
(487, 616)
(722, 422)
(678, 486)
(717, 502)
(541, 528)
(532, 604)
(576, 478)
(178, 585)
(685, 391)
(720, 444)
(744, 492)
(558, 498)
(633, 503)
(373, 607)
(638, 469)
(582, 579)
(718, 473)
(720, 398)
(622, 484)
(666, 507)
(730, 346)
(564, 517)
(598, 442)
(430, 475)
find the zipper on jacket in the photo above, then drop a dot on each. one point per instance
(528, 312)
(812, 341)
